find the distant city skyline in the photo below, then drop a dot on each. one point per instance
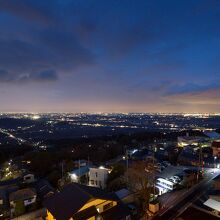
(110, 56)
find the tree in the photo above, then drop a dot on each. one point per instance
(53, 177)
(41, 162)
(117, 184)
(140, 179)
(115, 179)
(19, 208)
(69, 166)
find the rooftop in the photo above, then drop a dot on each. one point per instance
(213, 204)
(80, 171)
(217, 177)
(216, 144)
(122, 193)
(212, 134)
(43, 188)
(193, 213)
(22, 194)
(65, 204)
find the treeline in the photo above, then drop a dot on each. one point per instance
(10, 151)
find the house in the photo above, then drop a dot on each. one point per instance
(214, 205)
(216, 148)
(98, 177)
(217, 182)
(190, 140)
(213, 135)
(27, 196)
(214, 195)
(43, 189)
(193, 212)
(80, 202)
(140, 154)
(2, 197)
(213, 201)
(81, 163)
(3, 202)
(80, 174)
(125, 196)
(188, 157)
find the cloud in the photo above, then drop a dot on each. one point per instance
(51, 50)
(4, 76)
(30, 10)
(32, 46)
(206, 95)
(137, 51)
(44, 76)
(184, 88)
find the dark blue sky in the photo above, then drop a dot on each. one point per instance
(111, 56)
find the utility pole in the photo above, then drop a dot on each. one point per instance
(200, 164)
(126, 159)
(79, 172)
(154, 148)
(62, 170)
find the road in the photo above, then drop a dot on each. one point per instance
(184, 202)
(19, 140)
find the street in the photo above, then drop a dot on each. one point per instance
(182, 203)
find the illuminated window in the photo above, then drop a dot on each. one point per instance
(108, 206)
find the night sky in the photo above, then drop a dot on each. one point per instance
(110, 55)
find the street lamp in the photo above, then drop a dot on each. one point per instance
(215, 158)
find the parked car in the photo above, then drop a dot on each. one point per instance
(177, 178)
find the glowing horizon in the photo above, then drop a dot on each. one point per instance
(127, 56)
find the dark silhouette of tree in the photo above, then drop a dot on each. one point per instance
(116, 178)
(140, 179)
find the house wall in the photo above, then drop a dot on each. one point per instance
(216, 151)
(217, 197)
(98, 177)
(98, 203)
(30, 201)
(128, 199)
(49, 216)
(26, 201)
(217, 185)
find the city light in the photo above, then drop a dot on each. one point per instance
(35, 117)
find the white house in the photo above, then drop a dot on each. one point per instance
(164, 185)
(98, 177)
